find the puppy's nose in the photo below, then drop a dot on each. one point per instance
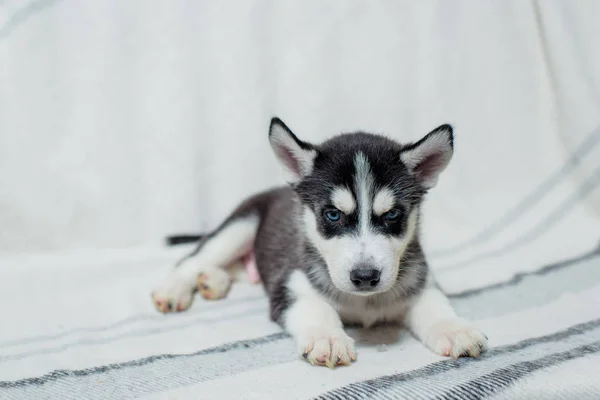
(364, 278)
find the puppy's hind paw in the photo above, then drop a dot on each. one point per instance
(213, 284)
(173, 295)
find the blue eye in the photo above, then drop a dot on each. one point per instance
(333, 215)
(391, 215)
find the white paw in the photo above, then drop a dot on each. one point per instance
(456, 338)
(213, 284)
(176, 293)
(327, 347)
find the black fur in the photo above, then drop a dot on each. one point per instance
(182, 239)
(334, 167)
(281, 247)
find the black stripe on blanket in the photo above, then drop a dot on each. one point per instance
(124, 382)
(229, 302)
(370, 388)
(146, 317)
(240, 315)
(244, 345)
(502, 378)
(59, 374)
(584, 190)
(520, 276)
(589, 143)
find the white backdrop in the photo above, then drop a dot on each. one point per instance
(124, 121)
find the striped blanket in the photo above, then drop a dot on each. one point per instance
(81, 326)
(113, 116)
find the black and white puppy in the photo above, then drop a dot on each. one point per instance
(339, 246)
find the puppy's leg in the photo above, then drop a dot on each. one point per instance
(251, 269)
(433, 321)
(204, 268)
(316, 325)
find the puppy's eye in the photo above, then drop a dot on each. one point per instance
(333, 215)
(391, 216)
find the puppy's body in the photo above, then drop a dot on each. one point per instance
(341, 245)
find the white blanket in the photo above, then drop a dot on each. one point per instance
(122, 122)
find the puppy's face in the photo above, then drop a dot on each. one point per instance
(361, 195)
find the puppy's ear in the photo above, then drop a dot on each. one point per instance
(428, 157)
(296, 156)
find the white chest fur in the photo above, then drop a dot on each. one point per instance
(357, 310)
(351, 309)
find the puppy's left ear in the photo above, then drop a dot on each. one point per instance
(428, 157)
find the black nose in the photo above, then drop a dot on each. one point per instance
(364, 278)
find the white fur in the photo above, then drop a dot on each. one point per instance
(384, 201)
(231, 243)
(343, 200)
(356, 310)
(283, 142)
(436, 144)
(433, 321)
(214, 283)
(177, 290)
(365, 247)
(315, 325)
(343, 253)
(363, 181)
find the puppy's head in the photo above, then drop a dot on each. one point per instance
(360, 195)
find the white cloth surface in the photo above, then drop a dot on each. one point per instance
(122, 122)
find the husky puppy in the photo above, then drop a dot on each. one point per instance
(340, 245)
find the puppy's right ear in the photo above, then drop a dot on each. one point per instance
(296, 156)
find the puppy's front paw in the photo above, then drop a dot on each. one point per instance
(456, 338)
(174, 294)
(329, 347)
